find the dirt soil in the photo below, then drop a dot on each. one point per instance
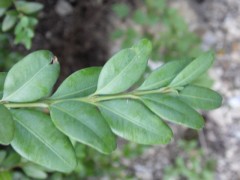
(76, 32)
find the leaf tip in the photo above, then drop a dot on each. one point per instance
(144, 44)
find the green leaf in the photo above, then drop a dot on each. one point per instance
(140, 17)
(28, 7)
(173, 110)
(204, 81)
(163, 75)
(11, 160)
(133, 121)
(3, 155)
(124, 69)
(9, 21)
(32, 78)
(200, 97)
(38, 140)
(2, 11)
(34, 171)
(2, 80)
(193, 70)
(5, 3)
(84, 123)
(117, 34)
(121, 9)
(5, 175)
(7, 126)
(79, 84)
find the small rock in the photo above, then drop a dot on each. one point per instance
(234, 102)
(63, 8)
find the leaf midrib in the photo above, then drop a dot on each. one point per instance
(97, 135)
(189, 76)
(186, 115)
(37, 136)
(73, 93)
(26, 83)
(142, 126)
(124, 69)
(154, 84)
(171, 108)
(202, 98)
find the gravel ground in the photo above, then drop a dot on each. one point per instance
(218, 23)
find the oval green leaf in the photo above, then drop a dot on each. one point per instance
(2, 11)
(200, 97)
(11, 160)
(28, 7)
(38, 140)
(79, 84)
(9, 21)
(193, 70)
(163, 75)
(32, 78)
(124, 69)
(34, 171)
(84, 123)
(173, 110)
(3, 155)
(6, 127)
(133, 121)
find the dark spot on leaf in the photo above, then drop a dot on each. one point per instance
(54, 60)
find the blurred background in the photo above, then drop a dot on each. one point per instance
(87, 33)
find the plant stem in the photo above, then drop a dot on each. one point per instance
(92, 99)
(26, 105)
(120, 96)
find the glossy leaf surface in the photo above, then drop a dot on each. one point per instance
(200, 97)
(173, 110)
(193, 70)
(6, 126)
(38, 140)
(84, 123)
(133, 121)
(124, 69)
(32, 78)
(79, 84)
(163, 75)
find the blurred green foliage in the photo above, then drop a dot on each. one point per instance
(91, 163)
(20, 17)
(161, 24)
(7, 57)
(191, 163)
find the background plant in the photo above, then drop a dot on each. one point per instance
(94, 104)
(165, 27)
(19, 16)
(191, 163)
